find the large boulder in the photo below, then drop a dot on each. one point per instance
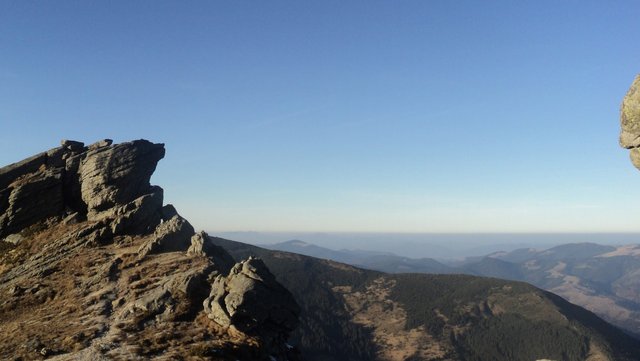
(630, 122)
(201, 245)
(170, 236)
(250, 300)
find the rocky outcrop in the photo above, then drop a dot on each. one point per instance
(101, 269)
(74, 178)
(118, 174)
(170, 236)
(202, 246)
(630, 122)
(252, 301)
(30, 198)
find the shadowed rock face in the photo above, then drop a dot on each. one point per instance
(630, 122)
(251, 300)
(100, 269)
(118, 174)
(74, 178)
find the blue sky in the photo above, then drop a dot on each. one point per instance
(367, 116)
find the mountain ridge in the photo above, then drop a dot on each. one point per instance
(544, 269)
(452, 317)
(93, 266)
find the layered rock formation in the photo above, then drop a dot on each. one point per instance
(93, 266)
(95, 181)
(630, 122)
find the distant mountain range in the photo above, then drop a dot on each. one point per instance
(439, 246)
(349, 313)
(603, 279)
(379, 261)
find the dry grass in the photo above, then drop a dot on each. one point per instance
(68, 299)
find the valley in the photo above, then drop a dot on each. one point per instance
(600, 278)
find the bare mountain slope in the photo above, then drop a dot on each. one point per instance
(93, 266)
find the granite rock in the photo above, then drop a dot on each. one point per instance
(630, 122)
(202, 246)
(87, 244)
(111, 175)
(252, 301)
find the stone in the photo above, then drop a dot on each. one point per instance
(118, 174)
(4, 199)
(168, 212)
(202, 246)
(634, 154)
(14, 239)
(10, 173)
(72, 145)
(214, 305)
(100, 237)
(140, 216)
(630, 122)
(153, 302)
(170, 236)
(630, 116)
(187, 283)
(71, 183)
(100, 144)
(73, 218)
(72, 178)
(55, 157)
(32, 198)
(252, 301)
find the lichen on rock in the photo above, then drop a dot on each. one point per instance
(630, 122)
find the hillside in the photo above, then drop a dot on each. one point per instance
(602, 279)
(378, 261)
(93, 266)
(349, 313)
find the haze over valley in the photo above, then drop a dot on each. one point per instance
(445, 246)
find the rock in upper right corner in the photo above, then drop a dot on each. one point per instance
(630, 117)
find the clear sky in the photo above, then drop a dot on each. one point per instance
(368, 116)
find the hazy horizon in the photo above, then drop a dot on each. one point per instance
(435, 245)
